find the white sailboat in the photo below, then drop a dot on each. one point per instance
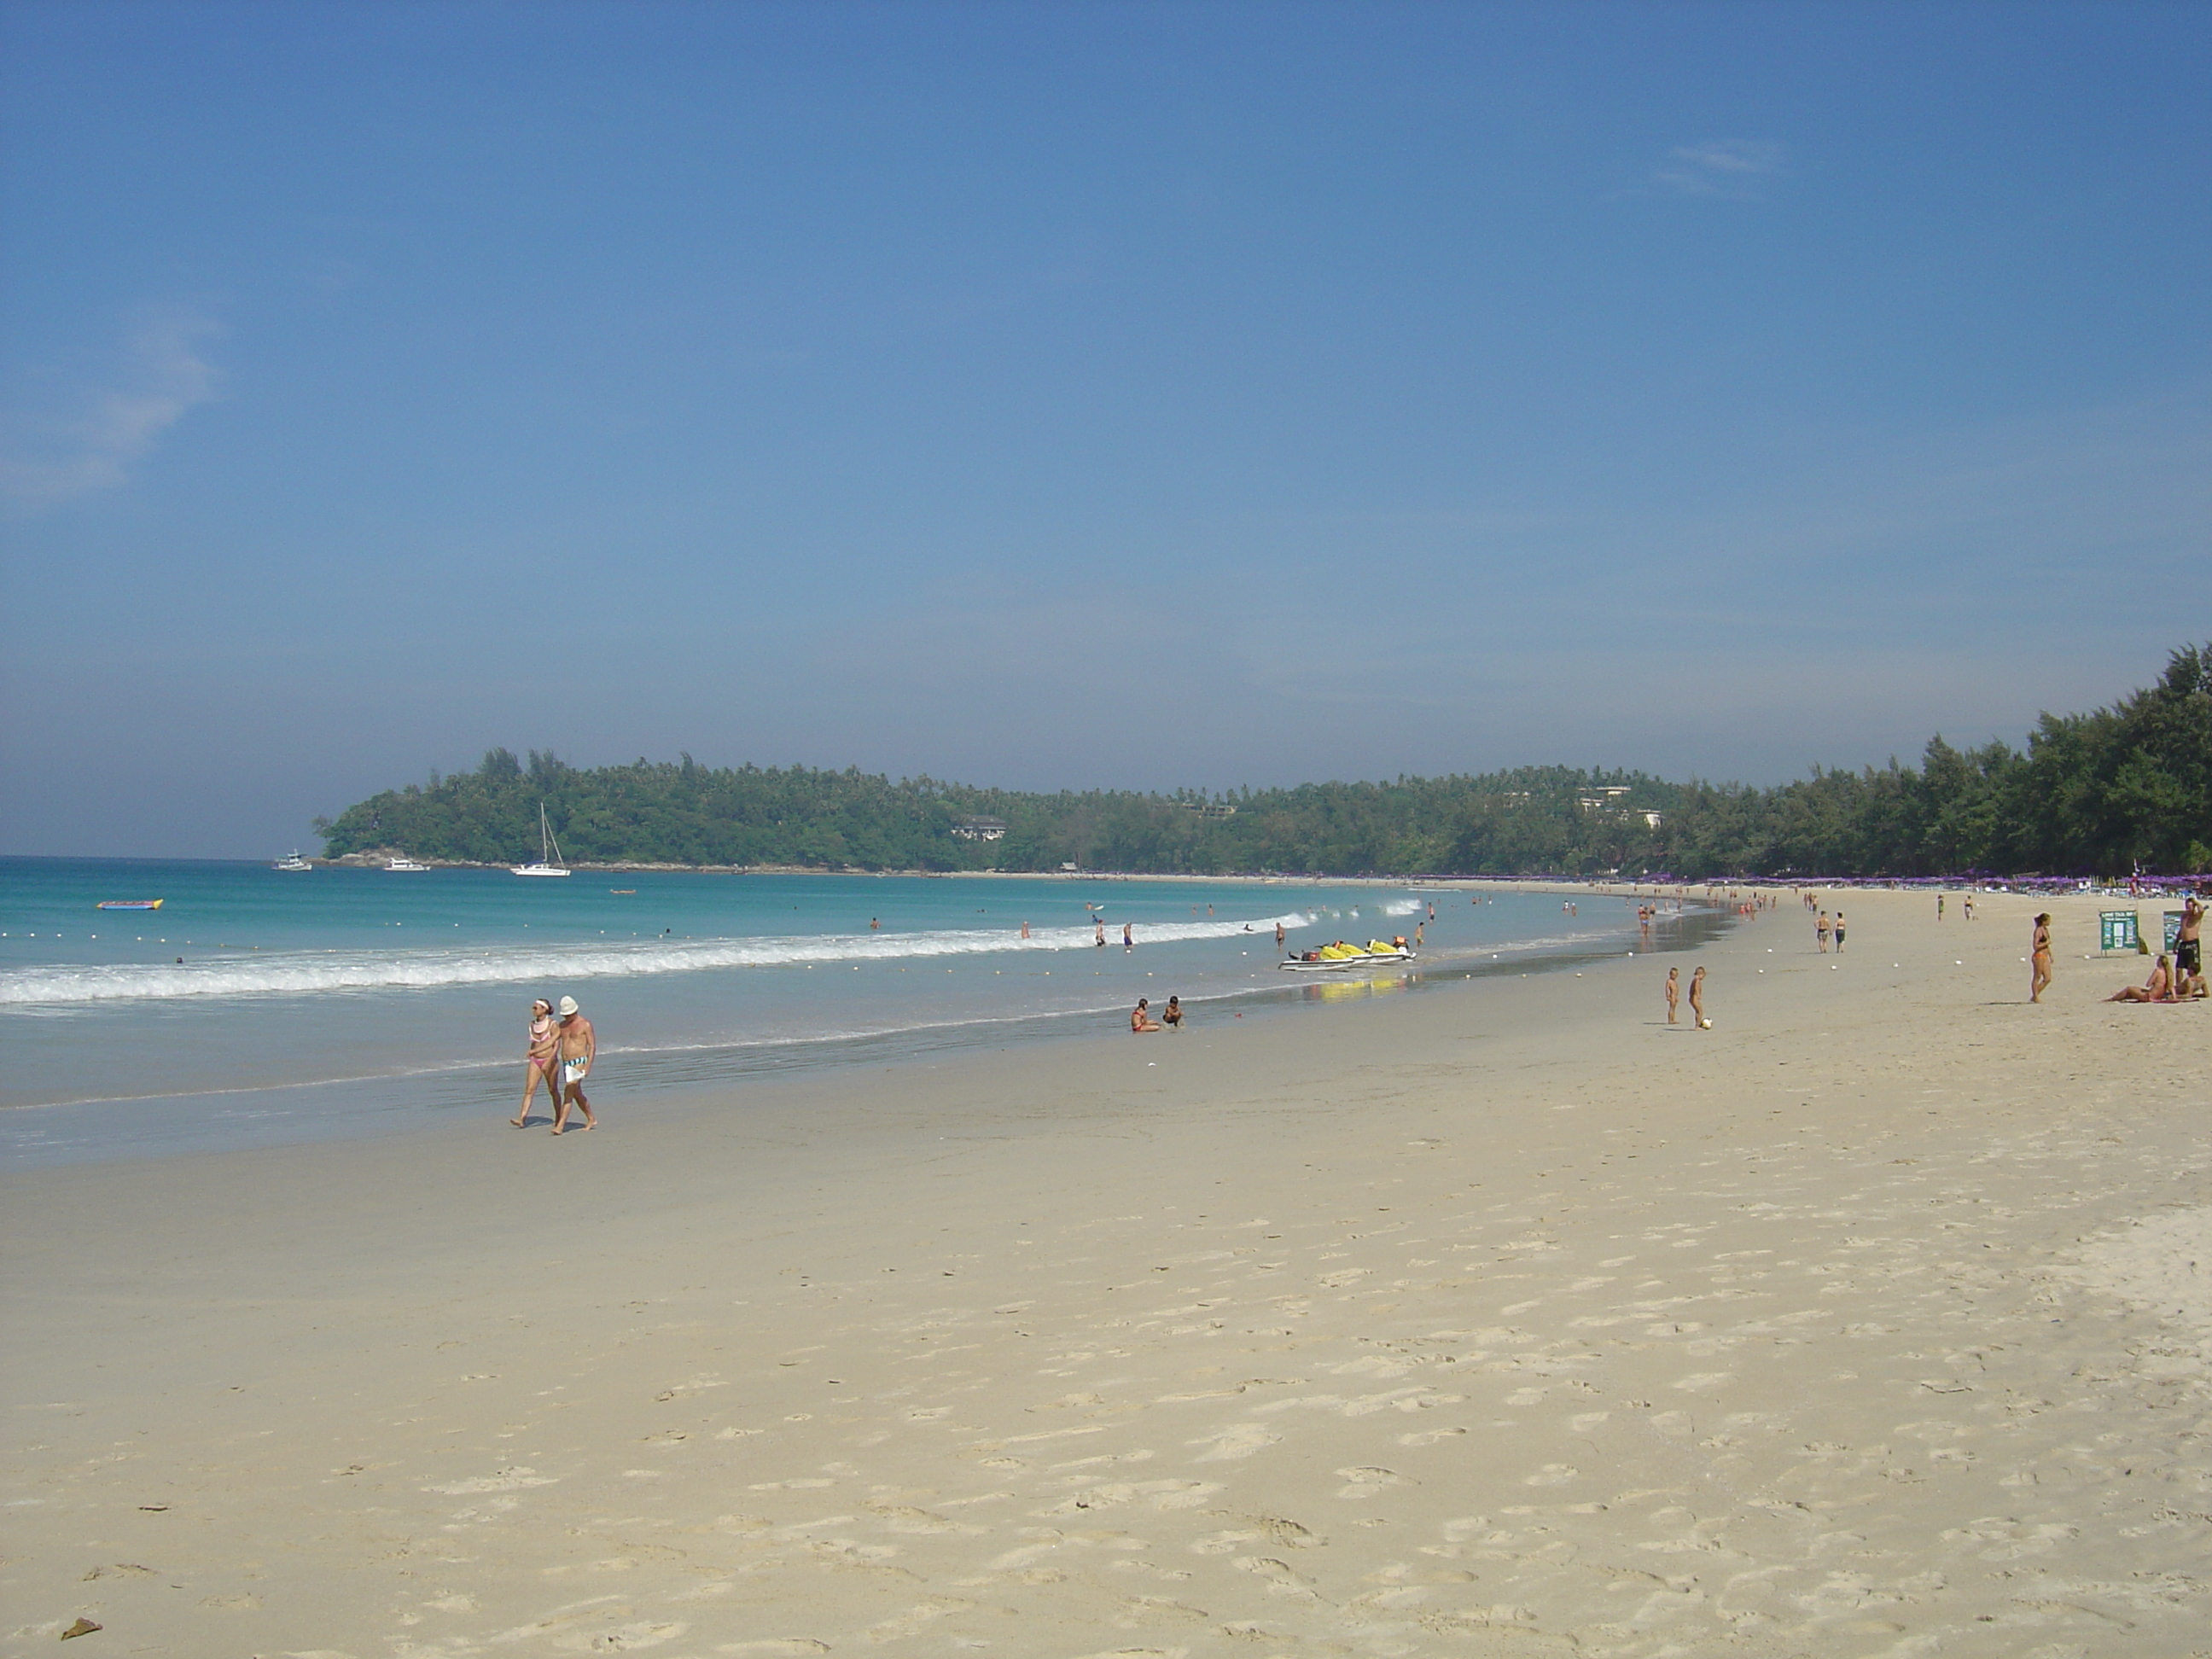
(548, 851)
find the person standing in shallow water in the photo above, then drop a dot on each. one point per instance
(1673, 992)
(2038, 982)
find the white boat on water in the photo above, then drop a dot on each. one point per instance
(404, 863)
(548, 851)
(292, 860)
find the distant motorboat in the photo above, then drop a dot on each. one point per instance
(404, 863)
(292, 860)
(548, 851)
(128, 904)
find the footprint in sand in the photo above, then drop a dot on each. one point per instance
(1430, 1437)
(1367, 1479)
(508, 1479)
(914, 1619)
(623, 1639)
(1239, 1440)
(1280, 1579)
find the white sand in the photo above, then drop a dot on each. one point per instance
(1496, 1320)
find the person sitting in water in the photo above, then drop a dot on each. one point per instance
(2159, 988)
(1171, 1016)
(1140, 1016)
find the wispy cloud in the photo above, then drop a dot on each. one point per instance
(1730, 166)
(166, 376)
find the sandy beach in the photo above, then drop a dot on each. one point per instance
(1496, 1320)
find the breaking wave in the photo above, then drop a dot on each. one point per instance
(301, 973)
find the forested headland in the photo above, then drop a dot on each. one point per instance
(2104, 792)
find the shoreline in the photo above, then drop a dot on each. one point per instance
(1502, 1318)
(328, 1109)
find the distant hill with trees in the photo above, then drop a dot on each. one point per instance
(2099, 793)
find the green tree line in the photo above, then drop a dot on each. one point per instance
(2104, 792)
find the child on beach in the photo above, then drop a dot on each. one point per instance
(1698, 1001)
(1140, 1016)
(1673, 992)
(1171, 1016)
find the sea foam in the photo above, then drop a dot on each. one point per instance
(301, 974)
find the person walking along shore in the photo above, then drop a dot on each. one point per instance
(580, 1047)
(541, 1059)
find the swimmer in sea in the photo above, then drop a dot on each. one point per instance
(1127, 943)
(1141, 1017)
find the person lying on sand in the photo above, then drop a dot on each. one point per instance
(1140, 1016)
(2159, 988)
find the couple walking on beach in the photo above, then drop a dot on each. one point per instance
(561, 1050)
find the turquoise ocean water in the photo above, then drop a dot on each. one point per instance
(258, 1005)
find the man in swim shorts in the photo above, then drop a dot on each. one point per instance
(2189, 943)
(579, 1048)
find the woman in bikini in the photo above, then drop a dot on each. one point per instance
(541, 1059)
(2039, 981)
(2159, 988)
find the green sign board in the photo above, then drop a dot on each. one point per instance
(2116, 931)
(2173, 928)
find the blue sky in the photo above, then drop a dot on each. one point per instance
(1067, 395)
